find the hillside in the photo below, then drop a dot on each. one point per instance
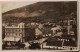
(41, 12)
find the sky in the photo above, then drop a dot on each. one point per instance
(6, 6)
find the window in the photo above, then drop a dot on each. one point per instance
(22, 30)
(22, 26)
(16, 34)
(19, 34)
(16, 30)
(19, 30)
(7, 34)
(19, 26)
(11, 34)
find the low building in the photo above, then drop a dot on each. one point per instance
(57, 30)
(60, 43)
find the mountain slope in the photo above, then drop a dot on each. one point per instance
(41, 12)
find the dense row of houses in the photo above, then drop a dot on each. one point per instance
(23, 32)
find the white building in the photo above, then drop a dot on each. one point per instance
(15, 33)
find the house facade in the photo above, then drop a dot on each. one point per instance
(15, 33)
(18, 33)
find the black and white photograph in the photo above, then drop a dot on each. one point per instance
(40, 25)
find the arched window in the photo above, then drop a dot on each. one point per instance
(19, 30)
(19, 26)
(22, 26)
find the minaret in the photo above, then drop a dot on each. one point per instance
(68, 28)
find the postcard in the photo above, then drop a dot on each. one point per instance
(40, 25)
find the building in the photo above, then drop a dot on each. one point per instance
(29, 34)
(57, 31)
(18, 33)
(60, 43)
